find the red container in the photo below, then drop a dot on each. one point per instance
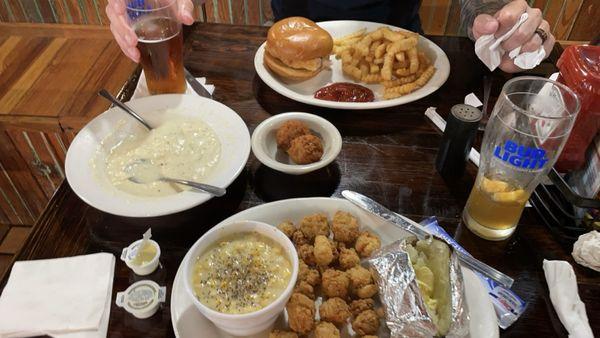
(580, 70)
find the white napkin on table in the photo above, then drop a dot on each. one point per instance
(141, 90)
(586, 251)
(565, 298)
(489, 51)
(62, 297)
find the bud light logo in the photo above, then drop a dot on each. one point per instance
(520, 156)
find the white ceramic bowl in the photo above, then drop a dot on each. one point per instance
(86, 158)
(247, 323)
(264, 143)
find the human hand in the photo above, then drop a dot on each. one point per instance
(124, 34)
(525, 36)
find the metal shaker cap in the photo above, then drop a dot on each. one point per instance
(466, 113)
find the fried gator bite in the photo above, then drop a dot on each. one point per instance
(306, 252)
(360, 305)
(348, 258)
(305, 288)
(366, 243)
(361, 282)
(311, 276)
(287, 228)
(344, 227)
(282, 334)
(335, 283)
(323, 251)
(334, 310)
(298, 238)
(301, 313)
(326, 330)
(314, 225)
(367, 322)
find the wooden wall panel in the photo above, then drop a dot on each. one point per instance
(437, 16)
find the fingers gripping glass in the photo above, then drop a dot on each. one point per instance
(156, 24)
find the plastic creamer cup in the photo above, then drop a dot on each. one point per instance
(146, 262)
(142, 298)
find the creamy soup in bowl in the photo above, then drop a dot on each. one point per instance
(240, 275)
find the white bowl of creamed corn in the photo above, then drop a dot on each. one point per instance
(241, 275)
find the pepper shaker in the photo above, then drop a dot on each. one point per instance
(459, 134)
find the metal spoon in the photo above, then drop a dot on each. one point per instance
(105, 94)
(156, 176)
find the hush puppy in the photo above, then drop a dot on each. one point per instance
(334, 310)
(344, 227)
(326, 330)
(348, 258)
(366, 243)
(314, 225)
(335, 283)
(288, 131)
(323, 251)
(306, 149)
(367, 322)
(301, 313)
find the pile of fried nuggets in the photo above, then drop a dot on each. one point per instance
(332, 266)
(390, 58)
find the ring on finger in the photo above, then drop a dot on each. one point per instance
(542, 34)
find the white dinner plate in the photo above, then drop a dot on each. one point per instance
(86, 157)
(188, 322)
(304, 91)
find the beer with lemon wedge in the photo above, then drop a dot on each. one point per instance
(523, 138)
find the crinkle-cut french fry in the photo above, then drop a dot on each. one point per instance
(364, 69)
(386, 69)
(394, 92)
(377, 34)
(380, 51)
(374, 69)
(374, 47)
(399, 81)
(371, 78)
(402, 45)
(402, 72)
(401, 57)
(378, 61)
(426, 76)
(363, 46)
(358, 34)
(393, 36)
(352, 71)
(413, 59)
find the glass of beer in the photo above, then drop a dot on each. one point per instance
(529, 126)
(160, 42)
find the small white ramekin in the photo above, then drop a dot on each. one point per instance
(247, 323)
(129, 253)
(264, 143)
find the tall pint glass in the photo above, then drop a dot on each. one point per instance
(528, 128)
(160, 43)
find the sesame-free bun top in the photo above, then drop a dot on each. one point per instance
(298, 38)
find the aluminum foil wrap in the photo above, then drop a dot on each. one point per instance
(406, 314)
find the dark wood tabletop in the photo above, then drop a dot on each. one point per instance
(387, 154)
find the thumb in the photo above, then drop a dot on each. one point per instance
(484, 24)
(186, 8)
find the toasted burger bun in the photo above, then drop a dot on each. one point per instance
(282, 70)
(295, 48)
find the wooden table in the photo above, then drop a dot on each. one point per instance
(387, 154)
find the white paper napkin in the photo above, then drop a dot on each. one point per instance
(63, 297)
(586, 251)
(489, 51)
(565, 298)
(141, 90)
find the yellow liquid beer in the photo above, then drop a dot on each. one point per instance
(494, 208)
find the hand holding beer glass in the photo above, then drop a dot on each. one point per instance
(523, 138)
(157, 28)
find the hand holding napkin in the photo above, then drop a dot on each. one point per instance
(62, 297)
(489, 51)
(565, 298)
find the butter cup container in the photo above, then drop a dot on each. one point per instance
(129, 254)
(142, 298)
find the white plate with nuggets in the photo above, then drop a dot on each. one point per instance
(189, 322)
(304, 91)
